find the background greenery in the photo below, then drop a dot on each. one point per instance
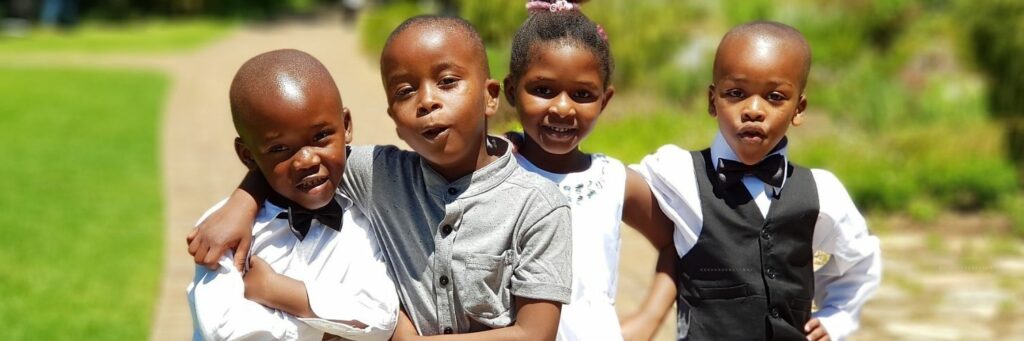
(81, 204)
(73, 167)
(901, 92)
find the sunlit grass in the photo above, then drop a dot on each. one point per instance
(133, 37)
(80, 204)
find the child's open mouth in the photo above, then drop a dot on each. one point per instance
(311, 182)
(434, 133)
(558, 133)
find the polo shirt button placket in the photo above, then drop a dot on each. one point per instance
(446, 230)
(452, 191)
(770, 273)
(448, 330)
(774, 312)
(443, 280)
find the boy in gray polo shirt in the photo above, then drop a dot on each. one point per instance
(474, 242)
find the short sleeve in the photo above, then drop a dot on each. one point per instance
(544, 251)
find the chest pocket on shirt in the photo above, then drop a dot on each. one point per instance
(482, 283)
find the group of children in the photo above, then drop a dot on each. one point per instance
(478, 237)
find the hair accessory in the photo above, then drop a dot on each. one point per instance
(602, 33)
(556, 6)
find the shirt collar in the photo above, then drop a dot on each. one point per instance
(480, 181)
(720, 149)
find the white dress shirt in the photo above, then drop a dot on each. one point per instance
(842, 285)
(344, 273)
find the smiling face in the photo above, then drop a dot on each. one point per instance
(296, 137)
(439, 94)
(560, 96)
(757, 92)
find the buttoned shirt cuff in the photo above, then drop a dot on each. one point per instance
(542, 291)
(349, 332)
(838, 323)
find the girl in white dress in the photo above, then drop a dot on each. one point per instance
(559, 82)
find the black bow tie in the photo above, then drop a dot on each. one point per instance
(771, 170)
(300, 218)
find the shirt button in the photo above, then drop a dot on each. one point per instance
(774, 312)
(770, 273)
(446, 230)
(766, 235)
(448, 330)
(444, 280)
(452, 191)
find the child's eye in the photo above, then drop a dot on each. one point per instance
(734, 93)
(776, 97)
(322, 135)
(403, 91)
(582, 94)
(448, 81)
(542, 91)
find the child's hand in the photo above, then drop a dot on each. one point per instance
(258, 280)
(230, 227)
(637, 327)
(815, 331)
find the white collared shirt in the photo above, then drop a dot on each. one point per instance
(343, 271)
(842, 285)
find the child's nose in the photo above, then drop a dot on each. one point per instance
(562, 106)
(428, 102)
(306, 158)
(754, 109)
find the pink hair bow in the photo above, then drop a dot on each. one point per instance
(558, 5)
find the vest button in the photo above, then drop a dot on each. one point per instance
(452, 191)
(446, 230)
(448, 330)
(770, 273)
(774, 312)
(443, 280)
(766, 235)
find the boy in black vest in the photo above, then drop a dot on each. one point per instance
(748, 221)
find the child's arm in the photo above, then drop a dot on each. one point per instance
(642, 212)
(349, 311)
(536, 320)
(854, 270)
(229, 228)
(221, 312)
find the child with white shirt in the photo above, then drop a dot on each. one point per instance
(315, 271)
(560, 82)
(748, 221)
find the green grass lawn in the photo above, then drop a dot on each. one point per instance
(81, 212)
(135, 37)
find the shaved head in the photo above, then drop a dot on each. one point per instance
(281, 78)
(765, 37)
(448, 26)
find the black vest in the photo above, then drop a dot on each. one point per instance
(748, 277)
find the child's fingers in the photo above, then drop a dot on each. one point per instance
(193, 245)
(211, 257)
(242, 253)
(200, 256)
(818, 334)
(811, 325)
(191, 236)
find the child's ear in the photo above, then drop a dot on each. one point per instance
(346, 117)
(244, 154)
(609, 92)
(510, 90)
(798, 116)
(493, 94)
(711, 101)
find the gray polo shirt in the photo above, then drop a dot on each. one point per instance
(460, 251)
